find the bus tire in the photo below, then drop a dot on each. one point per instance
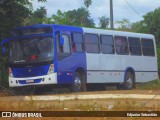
(79, 84)
(128, 81)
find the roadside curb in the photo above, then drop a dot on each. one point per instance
(95, 96)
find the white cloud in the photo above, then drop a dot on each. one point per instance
(101, 7)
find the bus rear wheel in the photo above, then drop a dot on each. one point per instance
(128, 81)
(78, 84)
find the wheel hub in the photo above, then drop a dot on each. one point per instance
(129, 82)
(77, 82)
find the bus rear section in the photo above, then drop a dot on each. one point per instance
(120, 58)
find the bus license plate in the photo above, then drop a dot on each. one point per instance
(29, 81)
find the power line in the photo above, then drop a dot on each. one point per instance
(132, 8)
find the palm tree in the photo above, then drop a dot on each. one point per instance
(87, 3)
(104, 22)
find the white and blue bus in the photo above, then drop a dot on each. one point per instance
(65, 55)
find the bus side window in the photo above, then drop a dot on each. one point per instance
(121, 45)
(63, 51)
(77, 42)
(66, 46)
(91, 43)
(147, 47)
(107, 44)
(134, 46)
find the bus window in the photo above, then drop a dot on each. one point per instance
(66, 46)
(148, 47)
(121, 45)
(134, 46)
(13, 49)
(91, 43)
(77, 42)
(107, 44)
(63, 51)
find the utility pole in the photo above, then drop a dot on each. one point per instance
(111, 15)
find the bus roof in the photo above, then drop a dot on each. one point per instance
(90, 30)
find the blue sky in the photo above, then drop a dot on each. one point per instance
(101, 7)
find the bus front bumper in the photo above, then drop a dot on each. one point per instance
(39, 80)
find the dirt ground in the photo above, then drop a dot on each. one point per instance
(84, 105)
(135, 91)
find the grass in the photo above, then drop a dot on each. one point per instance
(153, 85)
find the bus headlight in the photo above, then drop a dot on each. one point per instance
(51, 69)
(10, 72)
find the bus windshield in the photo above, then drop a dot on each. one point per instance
(36, 49)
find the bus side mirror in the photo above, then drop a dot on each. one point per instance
(4, 44)
(4, 51)
(61, 41)
(60, 38)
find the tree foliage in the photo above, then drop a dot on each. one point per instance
(76, 17)
(36, 17)
(20, 12)
(150, 24)
(103, 22)
(13, 13)
(87, 3)
(124, 25)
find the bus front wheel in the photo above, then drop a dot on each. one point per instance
(78, 84)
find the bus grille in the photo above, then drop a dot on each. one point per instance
(30, 72)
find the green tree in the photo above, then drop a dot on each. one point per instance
(76, 17)
(139, 27)
(124, 25)
(58, 18)
(87, 3)
(150, 24)
(37, 17)
(103, 22)
(13, 13)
